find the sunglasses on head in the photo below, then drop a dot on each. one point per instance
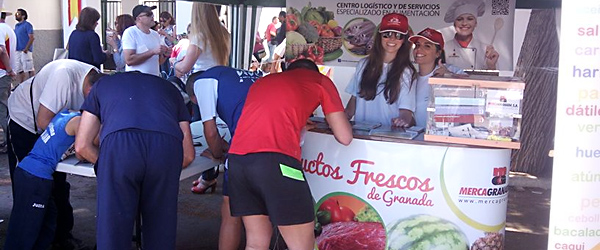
(390, 34)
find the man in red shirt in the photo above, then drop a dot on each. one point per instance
(270, 34)
(266, 179)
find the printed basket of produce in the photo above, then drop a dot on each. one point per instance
(313, 25)
(330, 44)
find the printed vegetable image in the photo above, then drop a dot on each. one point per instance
(316, 54)
(324, 217)
(319, 14)
(295, 44)
(291, 22)
(309, 32)
(333, 55)
(314, 15)
(294, 38)
(368, 214)
(296, 13)
(491, 241)
(352, 235)
(344, 221)
(336, 212)
(357, 34)
(424, 232)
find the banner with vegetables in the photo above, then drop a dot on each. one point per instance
(341, 33)
(382, 195)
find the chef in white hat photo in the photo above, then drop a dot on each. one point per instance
(466, 50)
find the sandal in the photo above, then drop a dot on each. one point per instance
(203, 186)
(197, 181)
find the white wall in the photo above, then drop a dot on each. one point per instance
(184, 15)
(46, 18)
(127, 6)
(43, 14)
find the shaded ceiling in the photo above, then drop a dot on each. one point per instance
(521, 4)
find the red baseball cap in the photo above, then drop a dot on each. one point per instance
(394, 22)
(431, 35)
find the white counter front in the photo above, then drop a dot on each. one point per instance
(443, 196)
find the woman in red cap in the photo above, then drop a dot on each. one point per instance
(428, 53)
(382, 89)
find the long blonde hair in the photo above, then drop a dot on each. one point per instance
(207, 26)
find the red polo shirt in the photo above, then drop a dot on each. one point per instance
(277, 108)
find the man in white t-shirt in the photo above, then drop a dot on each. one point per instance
(143, 50)
(59, 85)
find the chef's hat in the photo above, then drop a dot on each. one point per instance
(459, 7)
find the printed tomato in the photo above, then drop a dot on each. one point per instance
(336, 212)
(329, 205)
(291, 22)
(336, 215)
(346, 214)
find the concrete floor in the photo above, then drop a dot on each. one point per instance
(199, 215)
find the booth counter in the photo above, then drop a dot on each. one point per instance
(403, 193)
(72, 165)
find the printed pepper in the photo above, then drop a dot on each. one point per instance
(316, 53)
(326, 31)
(291, 22)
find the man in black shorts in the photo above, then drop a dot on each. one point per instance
(266, 179)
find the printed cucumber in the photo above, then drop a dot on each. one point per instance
(333, 55)
(423, 232)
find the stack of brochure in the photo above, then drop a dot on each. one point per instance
(364, 126)
(394, 132)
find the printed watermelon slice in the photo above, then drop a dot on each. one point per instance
(425, 232)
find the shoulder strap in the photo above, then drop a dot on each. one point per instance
(32, 109)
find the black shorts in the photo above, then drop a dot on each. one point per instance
(270, 184)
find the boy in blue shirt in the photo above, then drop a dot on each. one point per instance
(220, 92)
(33, 218)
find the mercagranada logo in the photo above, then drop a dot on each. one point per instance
(458, 212)
(426, 33)
(499, 176)
(394, 20)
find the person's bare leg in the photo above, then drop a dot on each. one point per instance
(258, 232)
(21, 77)
(300, 236)
(231, 228)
